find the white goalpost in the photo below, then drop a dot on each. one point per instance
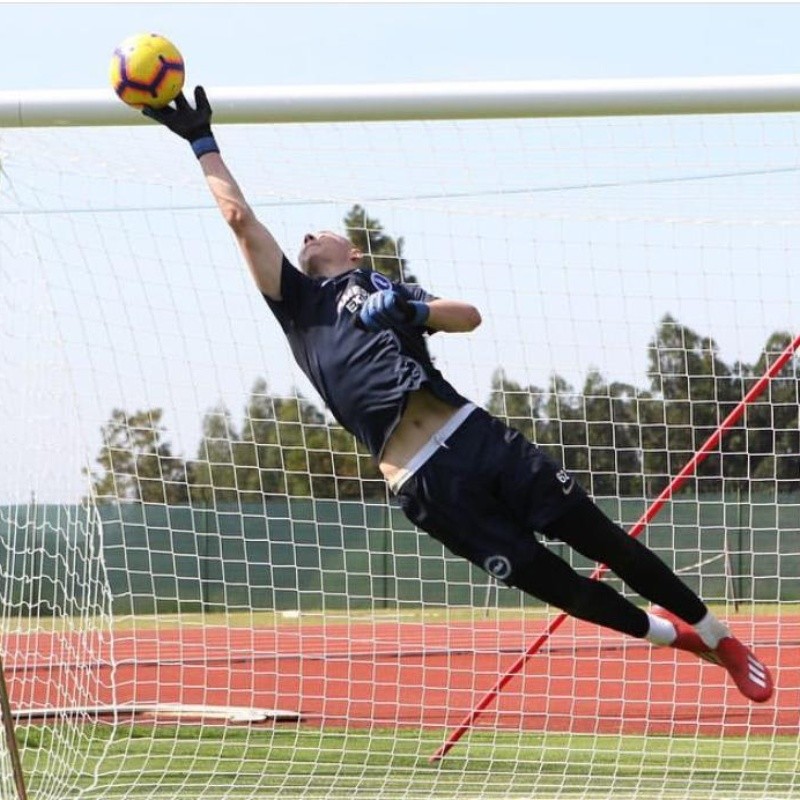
(207, 590)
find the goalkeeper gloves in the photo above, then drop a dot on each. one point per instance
(389, 309)
(192, 124)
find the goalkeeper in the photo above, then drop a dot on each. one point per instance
(458, 473)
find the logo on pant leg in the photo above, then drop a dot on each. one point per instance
(498, 566)
(566, 480)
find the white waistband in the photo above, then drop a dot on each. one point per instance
(430, 447)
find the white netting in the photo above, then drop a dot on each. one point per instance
(225, 604)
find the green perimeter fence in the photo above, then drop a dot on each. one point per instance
(327, 555)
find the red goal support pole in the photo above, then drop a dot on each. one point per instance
(676, 483)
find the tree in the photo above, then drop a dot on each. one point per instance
(306, 465)
(285, 446)
(613, 436)
(513, 403)
(381, 252)
(258, 453)
(357, 475)
(288, 446)
(773, 422)
(213, 473)
(135, 463)
(565, 435)
(697, 391)
(621, 440)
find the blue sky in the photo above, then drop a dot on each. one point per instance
(284, 43)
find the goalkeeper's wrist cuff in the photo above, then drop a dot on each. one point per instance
(204, 145)
(421, 312)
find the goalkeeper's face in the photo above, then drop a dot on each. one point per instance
(325, 254)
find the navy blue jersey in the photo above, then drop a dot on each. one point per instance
(363, 377)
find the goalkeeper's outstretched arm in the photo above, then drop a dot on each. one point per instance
(262, 253)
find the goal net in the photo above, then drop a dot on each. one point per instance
(206, 589)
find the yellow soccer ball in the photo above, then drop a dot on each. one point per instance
(147, 70)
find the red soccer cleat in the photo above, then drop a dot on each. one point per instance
(751, 677)
(688, 638)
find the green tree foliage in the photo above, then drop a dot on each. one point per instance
(620, 440)
(616, 438)
(135, 463)
(213, 473)
(284, 446)
(381, 252)
(697, 389)
(771, 431)
(612, 437)
(518, 405)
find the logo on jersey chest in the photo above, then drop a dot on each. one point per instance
(380, 282)
(352, 298)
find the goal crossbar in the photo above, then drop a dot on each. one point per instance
(415, 101)
(235, 574)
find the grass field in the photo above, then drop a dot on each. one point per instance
(215, 762)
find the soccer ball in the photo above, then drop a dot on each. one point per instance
(147, 70)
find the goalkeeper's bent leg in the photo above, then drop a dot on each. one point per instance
(588, 530)
(550, 579)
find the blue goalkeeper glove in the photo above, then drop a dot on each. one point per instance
(389, 309)
(192, 124)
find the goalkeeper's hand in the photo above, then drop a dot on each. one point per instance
(192, 124)
(389, 309)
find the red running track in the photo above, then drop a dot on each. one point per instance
(421, 675)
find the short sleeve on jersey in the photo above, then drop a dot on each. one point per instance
(294, 287)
